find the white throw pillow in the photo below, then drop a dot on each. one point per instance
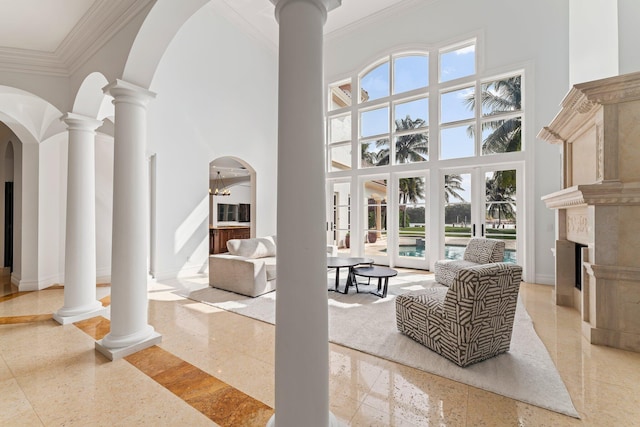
(260, 247)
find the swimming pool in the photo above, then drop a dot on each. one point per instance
(451, 252)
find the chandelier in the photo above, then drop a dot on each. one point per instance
(220, 189)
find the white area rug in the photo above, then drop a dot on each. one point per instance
(367, 323)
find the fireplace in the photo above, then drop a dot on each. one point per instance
(598, 209)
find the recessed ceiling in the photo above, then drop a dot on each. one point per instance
(39, 24)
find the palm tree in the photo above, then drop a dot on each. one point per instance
(411, 190)
(500, 198)
(499, 97)
(367, 158)
(413, 147)
(452, 186)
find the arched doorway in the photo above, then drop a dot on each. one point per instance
(232, 202)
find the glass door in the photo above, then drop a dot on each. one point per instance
(459, 215)
(339, 224)
(374, 222)
(500, 209)
(480, 202)
(411, 230)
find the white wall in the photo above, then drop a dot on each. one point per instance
(52, 198)
(104, 205)
(514, 34)
(593, 47)
(216, 96)
(628, 35)
(30, 208)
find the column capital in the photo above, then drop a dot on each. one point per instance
(128, 92)
(75, 121)
(324, 5)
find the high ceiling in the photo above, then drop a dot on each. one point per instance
(43, 25)
(63, 31)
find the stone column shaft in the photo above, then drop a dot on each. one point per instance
(302, 337)
(80, 247)
(130, 331)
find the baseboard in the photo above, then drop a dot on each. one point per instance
(26, 285)
(103, 279)
(545, 279)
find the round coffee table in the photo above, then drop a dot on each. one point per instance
(342, 262)
(374, 271)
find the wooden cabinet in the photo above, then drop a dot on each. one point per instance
(218, 237)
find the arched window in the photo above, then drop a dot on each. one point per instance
(417, 116)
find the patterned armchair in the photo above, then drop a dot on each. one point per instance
(470, 321)
(479, 250)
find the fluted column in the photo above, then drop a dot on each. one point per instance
(130, 331)
(80, 248)
(302, 337)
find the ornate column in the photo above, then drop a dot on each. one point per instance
(130, 331)
(80, 248)
(302, 337)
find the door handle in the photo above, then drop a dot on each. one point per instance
(482, 229)
(474, 230)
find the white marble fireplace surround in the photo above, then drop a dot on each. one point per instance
(598, 128)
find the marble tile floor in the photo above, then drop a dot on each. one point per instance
(217, 368)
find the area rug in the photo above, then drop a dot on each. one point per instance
(367, 323)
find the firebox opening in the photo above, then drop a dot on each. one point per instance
(578, 260)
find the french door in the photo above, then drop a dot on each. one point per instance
(411, 236)
(480, 202)
(393, 225)
(339, 216)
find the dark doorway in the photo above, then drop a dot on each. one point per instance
(579, 261)
(8, 225)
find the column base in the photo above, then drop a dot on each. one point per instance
(120, 352)
(66, 316)
(333, 421)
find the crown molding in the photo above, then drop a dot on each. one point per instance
(101, 22)
(98, 25)
(32, 62)
(232, 15)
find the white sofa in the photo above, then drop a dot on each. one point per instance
(249, 268)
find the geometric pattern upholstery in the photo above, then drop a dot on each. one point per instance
(470, 321)
(479, 250)
(484, 251)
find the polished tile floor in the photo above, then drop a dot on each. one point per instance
(217, 368)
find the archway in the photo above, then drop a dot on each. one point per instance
(232, 202)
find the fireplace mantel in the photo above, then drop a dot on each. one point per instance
(598, 128)
(606, 193)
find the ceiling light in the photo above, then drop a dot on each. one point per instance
(220, 189)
